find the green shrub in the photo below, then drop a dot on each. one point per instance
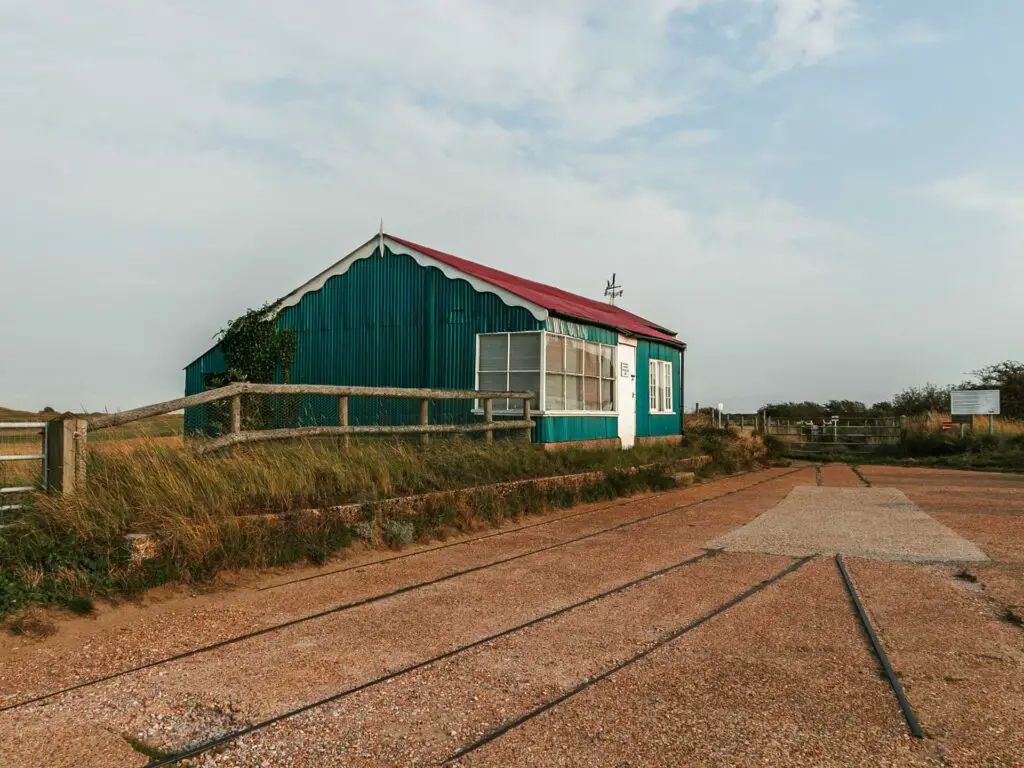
(398, 532)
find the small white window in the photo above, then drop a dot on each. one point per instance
(659, 384)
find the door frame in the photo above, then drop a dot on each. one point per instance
(626, 355)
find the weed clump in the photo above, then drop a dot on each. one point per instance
(397, 532)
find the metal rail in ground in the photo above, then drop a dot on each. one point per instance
(229, 737)
(20, 490)
(665, 640)
(382, 596)
(859, 473)
(876, 644)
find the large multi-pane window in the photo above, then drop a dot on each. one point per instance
(578, 376)
(659, 385)
(508, 362)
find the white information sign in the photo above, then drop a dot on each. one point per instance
(974, 402)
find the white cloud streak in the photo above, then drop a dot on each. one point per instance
(805, 32)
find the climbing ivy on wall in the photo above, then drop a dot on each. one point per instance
(254, 349)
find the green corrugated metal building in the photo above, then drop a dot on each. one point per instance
(395, 313)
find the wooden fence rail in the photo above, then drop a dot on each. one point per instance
(66, 445)
(424, 429)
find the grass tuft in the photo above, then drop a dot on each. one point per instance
(147, 750)
(1012, 617)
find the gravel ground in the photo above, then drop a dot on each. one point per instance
(962, 668)
(987, 508)
(422, 718)
(173, 705)
(839, 476)
(784, 678)
(133, 634)
(876, 522)
(745, 689)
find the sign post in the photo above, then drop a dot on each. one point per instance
(975, 402)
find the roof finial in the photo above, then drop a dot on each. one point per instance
(380, 237)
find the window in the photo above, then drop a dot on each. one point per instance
(508, 362)
(659, 386)
(578, 375)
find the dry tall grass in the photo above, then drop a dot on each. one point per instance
(200, 508)
(933, 421)
(182, 497)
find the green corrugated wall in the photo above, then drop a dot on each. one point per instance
(648, 424)
(385, 322)
(211, 361)
(560, 429)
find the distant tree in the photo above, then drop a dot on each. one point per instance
(883, 408)
(48, 409)
(845, 408)
(791, 410)
(917, 400)
(1008, 378)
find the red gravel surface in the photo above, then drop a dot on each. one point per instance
(784, 678)
(840, 476)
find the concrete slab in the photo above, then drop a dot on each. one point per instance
(867, 522)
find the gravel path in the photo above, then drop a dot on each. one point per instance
(876, 522)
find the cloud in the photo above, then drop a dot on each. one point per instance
(918, 32)
(980, 193)
(805, 32)
(168, 165)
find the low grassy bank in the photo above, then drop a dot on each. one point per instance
(200, 510)
(1001, 452)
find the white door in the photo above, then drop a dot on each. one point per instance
(626, 400)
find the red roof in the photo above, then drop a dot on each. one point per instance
(554, 299)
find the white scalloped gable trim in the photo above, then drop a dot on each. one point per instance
(367, 249)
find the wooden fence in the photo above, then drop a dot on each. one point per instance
(70, 452)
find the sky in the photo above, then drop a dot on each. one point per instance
(825, 198)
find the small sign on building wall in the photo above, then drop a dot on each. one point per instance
(624, 369)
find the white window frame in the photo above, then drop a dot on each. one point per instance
(614, 382)
(660, 387)
(478, 404)
(540, 408)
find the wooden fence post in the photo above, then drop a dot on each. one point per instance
(424, 420)
(343, 417)
(236, 414)
(65, 454)
(488, 418)
(526, 417)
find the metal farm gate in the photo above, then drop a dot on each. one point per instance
(21, 441)
(848, 434)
